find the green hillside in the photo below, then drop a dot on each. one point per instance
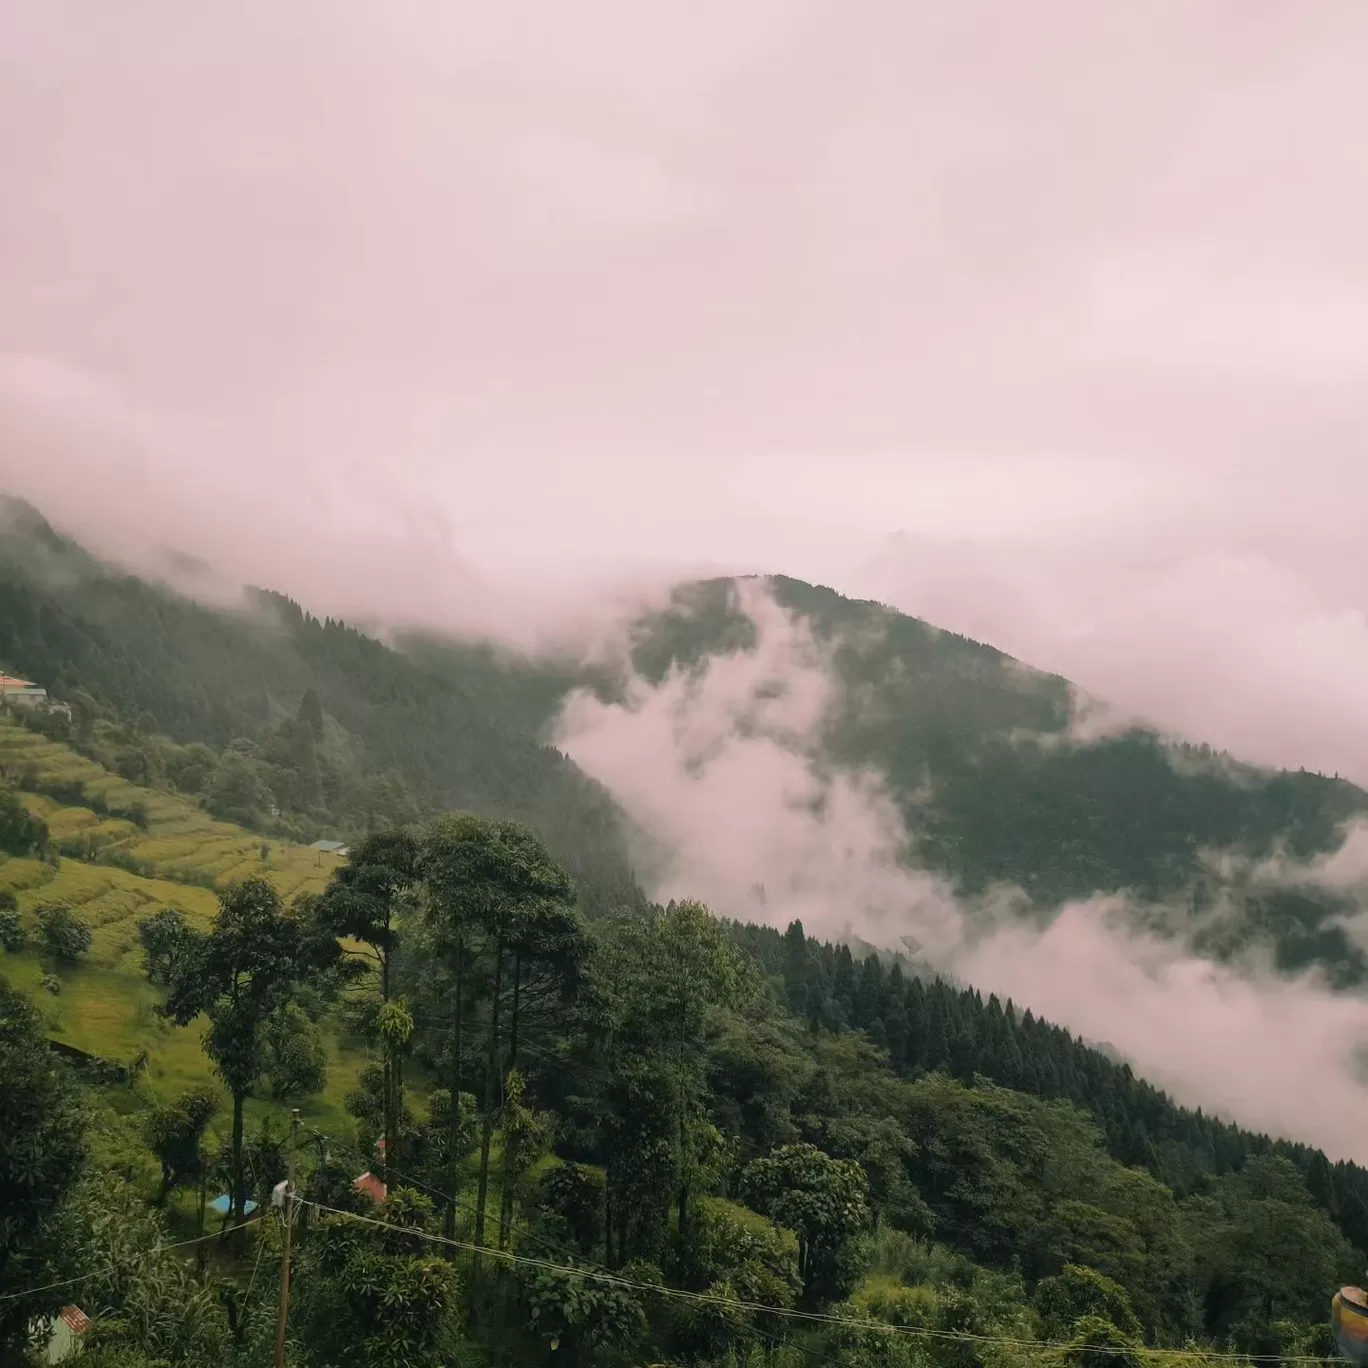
(290, 724)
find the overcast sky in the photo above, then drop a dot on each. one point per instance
(1048, 322)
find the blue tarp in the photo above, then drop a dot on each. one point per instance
(221, 1206)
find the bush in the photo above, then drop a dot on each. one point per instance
(20, 832)
(574, 1197)
(295, 1060)
(167, 939)
(11, 928)
(66, 936)
(1077, 1293)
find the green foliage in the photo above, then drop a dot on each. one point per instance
(20, 832)
(917, 1020)
(283, 710)
(376, 1296)
(1078, 1294)
(660, 1067)
(1013, 798)
(1097, 1342)
(294, 1059)
(65, 936)
(238, 975)
(362, 902)
(151, 1303)
(656, 983)
(11, 926)
(824, 1201)
(582, 1318)
(1266, 1252)
(727, 1245)
(166, 939)
(928, 1155)
(42, 1149)
(175, 1134)
(574, 1196)
(494, 888)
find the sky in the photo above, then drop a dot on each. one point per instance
(1048, 323)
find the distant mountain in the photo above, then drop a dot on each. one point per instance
(977, 749)
(980, 755)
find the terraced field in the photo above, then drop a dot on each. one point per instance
(104, 1005)
(181, 841)
(110, 899)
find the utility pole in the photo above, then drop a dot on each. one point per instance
(289, 1223)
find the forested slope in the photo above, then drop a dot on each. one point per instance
(285, 722)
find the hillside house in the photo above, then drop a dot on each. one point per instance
(371, 1186)
(338, 848)
(64, 1335)
(21, 692)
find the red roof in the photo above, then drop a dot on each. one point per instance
(76, 1319)
(371, 1186)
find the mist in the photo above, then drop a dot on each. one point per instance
(715, 768)
(427, 312)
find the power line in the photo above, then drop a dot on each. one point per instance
(427, 1187)
(85, 1277)
(812, 1317)
(247, 1295)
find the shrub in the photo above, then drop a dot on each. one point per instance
(11, 928)
(66, 936)
(20, 832)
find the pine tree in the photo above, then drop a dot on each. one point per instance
(1320, 1183)
(869, 995)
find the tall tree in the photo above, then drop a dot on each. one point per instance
(824, 1201)
(363, 903)
(659, 979)
(548, 953)
(486, 882)
(238, 974)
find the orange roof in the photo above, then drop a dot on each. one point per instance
(15, 682)
(76, 1319)
(371, 1186)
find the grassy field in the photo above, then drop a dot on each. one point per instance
(181, 841)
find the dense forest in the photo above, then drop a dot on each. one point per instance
(649, 1138)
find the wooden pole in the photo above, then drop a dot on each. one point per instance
(289, 1223)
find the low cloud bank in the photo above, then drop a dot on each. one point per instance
(351, 541)
(715, 767)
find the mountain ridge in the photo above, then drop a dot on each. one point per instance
(1016, 799)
